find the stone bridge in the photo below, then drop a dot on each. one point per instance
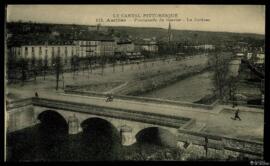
(129, 123)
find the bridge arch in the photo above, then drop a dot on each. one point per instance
(52, 121)
(100, 136)
(96, 126)
(156, 135)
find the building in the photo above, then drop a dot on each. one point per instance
(201, 47)
(206, 47)
(125, 47)
(241, 46)
(240, 55)
(45, 52)
(94, 45)
(249, 55)
(146, 45)
(259, 60)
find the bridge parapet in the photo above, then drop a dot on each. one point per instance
(200, 144)
(143, 99)
(18, 103)
(145, 117)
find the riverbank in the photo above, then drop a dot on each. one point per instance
(151, 81)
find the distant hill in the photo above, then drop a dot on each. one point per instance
(188, 35)
(67, 31)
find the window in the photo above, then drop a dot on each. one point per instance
(26, 51)
(58, 51)
(52, 60)
(66, 52)
(52, 51)
(40, 50)
(33, 51)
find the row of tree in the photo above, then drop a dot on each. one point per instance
(23, 69)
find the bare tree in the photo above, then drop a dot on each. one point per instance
(232, 86)
(58, 69)
(113, 61)
(45, 66)
(33, 67)
(12, 65)
(220, 67)
(89, 63)
(102, 62)
(39, 65)
(74, 63)
(122, 60)
(24, 69)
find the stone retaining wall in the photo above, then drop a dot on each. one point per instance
(19, 114)
(196, 145)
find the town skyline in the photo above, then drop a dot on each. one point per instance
(234, 24)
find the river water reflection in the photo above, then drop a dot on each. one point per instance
(190, 89)
(193, 88)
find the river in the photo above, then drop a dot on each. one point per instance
(190, 89)
(193, 88)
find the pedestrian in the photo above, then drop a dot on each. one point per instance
(236, 115)
(36, 94)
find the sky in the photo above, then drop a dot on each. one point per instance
(225, 18)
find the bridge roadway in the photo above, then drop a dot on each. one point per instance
(216, 121)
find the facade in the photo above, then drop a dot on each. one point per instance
(240, 54)
(147, 45)
(86, 48)
(125, 47)
(249, 55)
(107, 47)
(95, 46)
(260, 58)
(203, 47)
(45, 51)
(206, 47)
